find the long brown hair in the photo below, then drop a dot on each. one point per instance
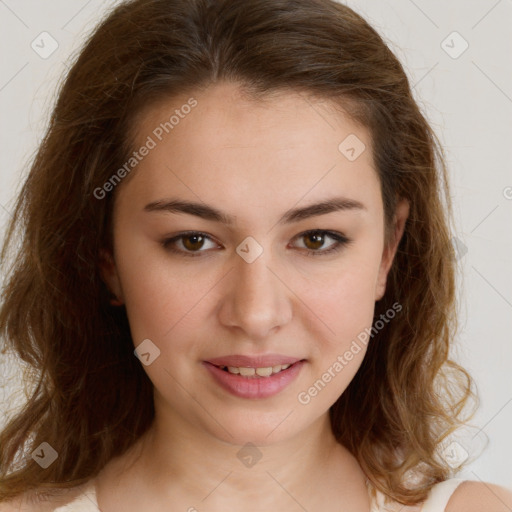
(92, 400)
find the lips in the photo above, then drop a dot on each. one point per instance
(263, 361)
(253, 386)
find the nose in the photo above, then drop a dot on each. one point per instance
(256, 300)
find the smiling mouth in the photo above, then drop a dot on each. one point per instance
(255, 378)
(250, 372)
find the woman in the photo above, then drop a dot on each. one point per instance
(235, 278)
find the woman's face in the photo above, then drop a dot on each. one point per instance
(248, 289)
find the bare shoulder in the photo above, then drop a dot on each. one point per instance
(472, 496)
(26, 502)
(40, 500)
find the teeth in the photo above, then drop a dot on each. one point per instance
(251, 372)
(264, 372)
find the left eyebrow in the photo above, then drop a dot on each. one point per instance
(331, 205)
(294, 215)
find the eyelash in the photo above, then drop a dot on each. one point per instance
(340, 239)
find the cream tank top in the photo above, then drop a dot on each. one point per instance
(436, 501)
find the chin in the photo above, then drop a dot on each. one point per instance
(259, 428)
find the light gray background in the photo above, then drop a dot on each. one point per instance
(468, 100)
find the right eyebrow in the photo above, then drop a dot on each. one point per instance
(208, 212)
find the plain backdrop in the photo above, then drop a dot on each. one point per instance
(457, 56)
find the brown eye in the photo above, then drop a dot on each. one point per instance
(193, 242)
(314, 241)
(189, 244)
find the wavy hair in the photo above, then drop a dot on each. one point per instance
(90, 398)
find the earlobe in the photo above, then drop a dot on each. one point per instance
(388, 255)
(110, 277)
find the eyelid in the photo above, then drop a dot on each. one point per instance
(340, 239)
(166, 243)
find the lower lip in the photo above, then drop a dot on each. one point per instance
(254, 387)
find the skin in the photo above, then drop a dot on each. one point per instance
(254, 161)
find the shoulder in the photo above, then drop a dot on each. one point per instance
(472, 496)
(41, 500)
(27, 502)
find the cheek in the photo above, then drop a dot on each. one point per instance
(343, 318)
(160, 305)
(333, 300)
(347, 297)
(341, 296)
(159, 299)
(346, 310)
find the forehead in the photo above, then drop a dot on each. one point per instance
(230, 147)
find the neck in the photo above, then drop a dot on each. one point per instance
(185, 465)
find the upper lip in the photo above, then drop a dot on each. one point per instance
(263, 361)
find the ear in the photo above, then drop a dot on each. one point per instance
(388, 254)
(110, 276)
